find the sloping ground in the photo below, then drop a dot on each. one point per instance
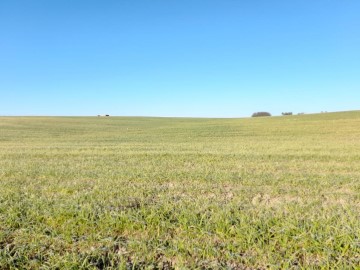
(164, 193)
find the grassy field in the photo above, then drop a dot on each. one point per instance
(167, 193)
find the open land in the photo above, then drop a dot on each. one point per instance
(180, 193)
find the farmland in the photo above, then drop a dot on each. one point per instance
(180, 193)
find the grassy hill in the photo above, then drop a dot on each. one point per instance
(163, 193)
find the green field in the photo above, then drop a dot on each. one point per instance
(180, 193)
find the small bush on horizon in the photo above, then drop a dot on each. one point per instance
(261, 114)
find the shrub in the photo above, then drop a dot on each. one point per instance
(260, 114)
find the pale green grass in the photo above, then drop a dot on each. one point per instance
(167, 193)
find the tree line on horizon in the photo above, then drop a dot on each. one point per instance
(263, 114)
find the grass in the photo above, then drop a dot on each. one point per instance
(178, 193)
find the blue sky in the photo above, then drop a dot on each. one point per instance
(213, 58)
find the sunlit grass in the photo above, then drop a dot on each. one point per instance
(135, 193)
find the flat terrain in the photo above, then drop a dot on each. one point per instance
(164, 193)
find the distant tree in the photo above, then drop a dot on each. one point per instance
(260, 114)
(287, 113)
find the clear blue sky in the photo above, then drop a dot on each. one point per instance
(207, 58)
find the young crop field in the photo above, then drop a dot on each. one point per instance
(180, 193)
